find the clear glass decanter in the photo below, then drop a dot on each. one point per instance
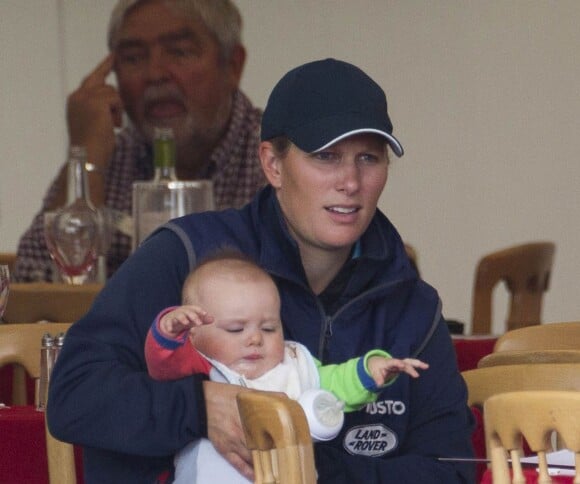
(72, 233)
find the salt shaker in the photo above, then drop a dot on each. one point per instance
(58, 342)
(46, 362)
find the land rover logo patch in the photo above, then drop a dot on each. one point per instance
(370, 440)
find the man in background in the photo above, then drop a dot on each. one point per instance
(178, 64)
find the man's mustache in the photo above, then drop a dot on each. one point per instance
(165, 93)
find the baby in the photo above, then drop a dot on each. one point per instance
(231, 318)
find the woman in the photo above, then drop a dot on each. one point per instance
(346, 286)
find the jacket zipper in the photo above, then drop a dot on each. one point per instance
(326, 332)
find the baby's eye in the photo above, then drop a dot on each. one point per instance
(234, 330)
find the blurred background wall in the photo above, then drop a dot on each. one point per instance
(484, 96)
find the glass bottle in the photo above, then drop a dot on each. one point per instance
(165, 197)
(72, 233)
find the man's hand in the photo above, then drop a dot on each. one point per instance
(224, 428)
(93, 111)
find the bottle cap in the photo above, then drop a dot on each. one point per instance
(324, 412)
(47, 340)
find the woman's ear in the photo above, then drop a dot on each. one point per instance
(270, 163)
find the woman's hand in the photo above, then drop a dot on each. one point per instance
(224, 427)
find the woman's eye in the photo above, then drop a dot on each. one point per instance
(369, 158)
(326, 156)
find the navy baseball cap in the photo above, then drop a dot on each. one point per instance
(317, 104)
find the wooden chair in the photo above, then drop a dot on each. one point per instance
(20, 343)
(529, 357)
(8, 259)
(532, 415)
(544, 343)
(20, 346)
(525, 269)
(45, 301)
(278, 435)
(483, 383)
(548, 336)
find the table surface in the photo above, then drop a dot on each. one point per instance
(531, 477)
(23, 447)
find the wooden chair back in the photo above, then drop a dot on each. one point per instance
(277, 433)
(529, 357)
(20, 344)
(44, 301)
(526, 270)
(47, 301)
(533, 415)
(483, 383)
(548, 336)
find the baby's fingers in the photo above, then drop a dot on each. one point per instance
(197, 316)
(415, 363)
(411, 366)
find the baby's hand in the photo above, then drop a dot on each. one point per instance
(183, 318)
(384, 369)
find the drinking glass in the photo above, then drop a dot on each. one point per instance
(72, 238)
(4, 288)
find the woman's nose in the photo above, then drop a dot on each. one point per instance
(348, 174)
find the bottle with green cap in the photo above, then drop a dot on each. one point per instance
(165, 197)
(164, 155)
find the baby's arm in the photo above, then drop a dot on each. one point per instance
(359, 380)
(383, 369)
(180, 319)
(166, 354)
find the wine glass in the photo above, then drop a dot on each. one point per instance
(4, 288)
(72, 238)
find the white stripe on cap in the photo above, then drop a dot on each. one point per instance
(393, 142)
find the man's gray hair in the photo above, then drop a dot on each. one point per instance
(221, 17)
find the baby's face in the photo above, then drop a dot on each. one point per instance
(246, 334)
